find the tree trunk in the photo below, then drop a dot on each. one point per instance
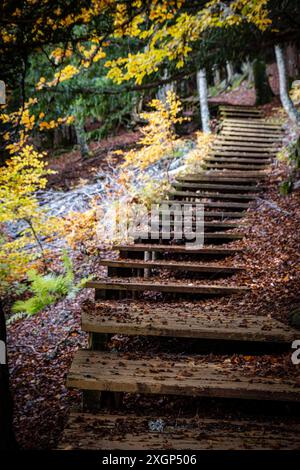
(263, 91)
(7, 440)
(81, 141)
(283, 85)
(292, 61)
(230, 72)
(217, 76)
(203, 98)
(163, 90)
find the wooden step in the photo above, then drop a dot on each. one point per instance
(219, 187)
(171, 265)
(256, 161)
(182, 322)
(212, 225)
(244, 132)
(191, 194)
(254, 138)
(217, 179)
(223, 141)
(240, 114)
(238, 148)
(130, 285)
(126, 249)
(251, 124)
(233, 166)
(238, 174)
(87, 431)
(189, 376)
(214, 205)
(165, 236)
(239, 154)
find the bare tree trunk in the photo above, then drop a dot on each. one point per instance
(292, 62)
(203, 98)
(286, 101)
(81, 141)
(163, 90)
(263, 91)
(230, 72)
(7, 440)
(217, 76)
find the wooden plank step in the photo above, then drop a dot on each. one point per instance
(248, 160)
(251, 124)
(253, 138)
(182, 322)
(233, 166)
(189, 376)
(232, 107)
(208, 224)
(171, 265)
(239, 148)
(214, 205)
(198, 195)
(90, 431)
(244, 143)
(166, 236)
(242, 131)
(240, 114)
(130, 285)
(222, 152)
(217, 179)
(220, 187)
(176, 249)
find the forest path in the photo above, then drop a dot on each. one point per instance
(144, 296)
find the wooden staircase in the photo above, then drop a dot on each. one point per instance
(135, 300)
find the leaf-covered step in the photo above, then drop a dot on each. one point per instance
(233, 159)
(127, 249)
(190, 321)
(129, 285)
(211, 195)
(234, 166)
(224, 188)
(90, 431)
(212, 205)
(189, 376)
(169, 265)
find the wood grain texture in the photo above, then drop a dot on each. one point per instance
(96, 370)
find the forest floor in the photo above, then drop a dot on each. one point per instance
(42, 347)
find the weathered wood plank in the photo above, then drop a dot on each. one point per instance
(188, 376)
(233, 159)
(172, 266)
(237, 166)
(249, 137)
(182, 322)
(133, 433)
(191, 194)
(217, 179)
(215, 251)
(215, 186)
(222, 140)
(213, 205)
(156, 286)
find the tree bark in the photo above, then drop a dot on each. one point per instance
(286, 101)
(264, 93)
(163, 90)
(7, 439)
(81, 141)
(217, 76)
(230, 72)
(203, 98)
